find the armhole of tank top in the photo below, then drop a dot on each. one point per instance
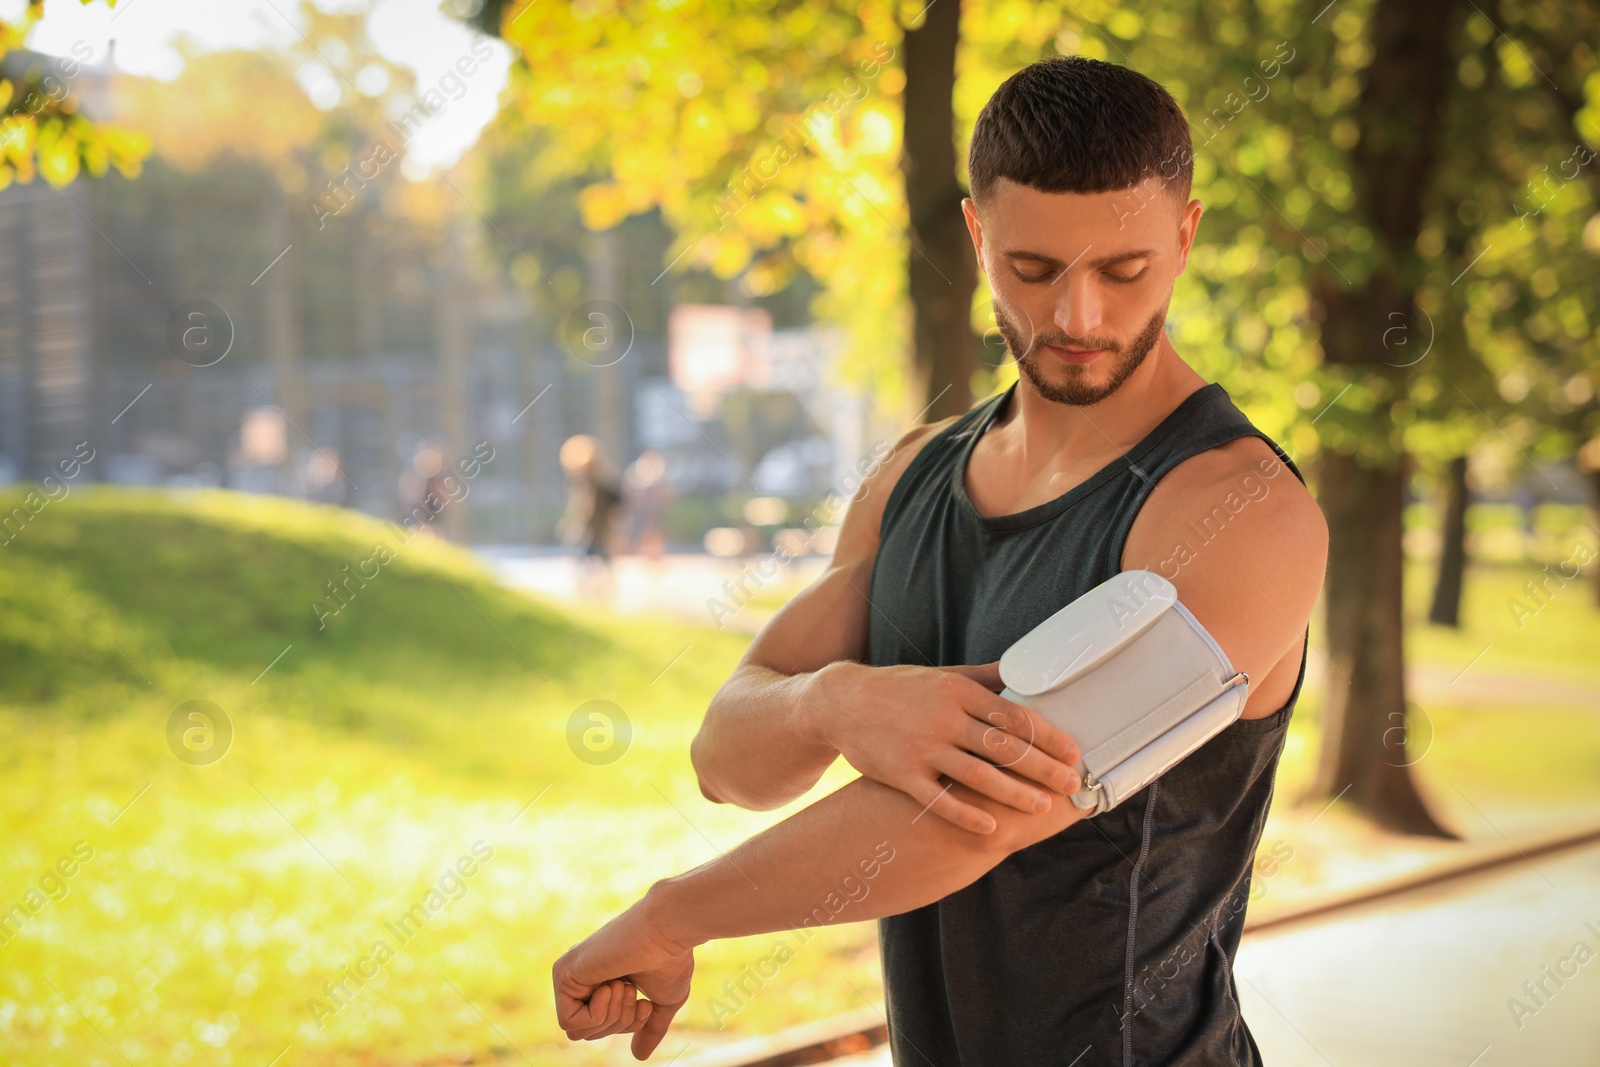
(902, 484)
(1119, 538)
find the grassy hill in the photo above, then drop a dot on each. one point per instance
(213, 910)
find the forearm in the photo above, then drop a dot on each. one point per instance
(863, 852)
(760, 745)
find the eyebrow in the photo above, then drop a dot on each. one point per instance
(1103, 261)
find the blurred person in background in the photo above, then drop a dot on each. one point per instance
(647, 492)
(325, 482)
(593, 498)
(422, 489)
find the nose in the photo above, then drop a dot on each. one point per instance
(1078, 308)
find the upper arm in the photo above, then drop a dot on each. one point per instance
(1246, 546)
(827, 621)
(1253, 585)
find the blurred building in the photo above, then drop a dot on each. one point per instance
(209, 329)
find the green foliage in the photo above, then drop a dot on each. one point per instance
(766, 134)
(41, 128)
(684, 108)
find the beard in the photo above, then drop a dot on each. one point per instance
(1071, 383)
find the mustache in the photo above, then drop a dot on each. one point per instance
(1091, 343)
(1021, 337)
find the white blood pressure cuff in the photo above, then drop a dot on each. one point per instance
(1132, 677)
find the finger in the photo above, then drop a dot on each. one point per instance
(580, 1027)
(993, 783)
(1050, 773)
(589, 1023)
(620, 1013)
(995, 743)
(985, 674)
(1026, 724)
(613, 1016)
(640, 1016)
(617, 1012)
(628, 1009)
(654, 1029)
(935, 798)
(578, 1016)
(1023, 722)
(1005, 749)
(572, 1012)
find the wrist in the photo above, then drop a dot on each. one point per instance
(667, 913)
(817, 704)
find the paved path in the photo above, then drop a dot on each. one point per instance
(1430, 979)
(704, 589)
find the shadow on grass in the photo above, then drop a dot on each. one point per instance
(134, 584)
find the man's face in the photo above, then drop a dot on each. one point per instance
(1081, 282)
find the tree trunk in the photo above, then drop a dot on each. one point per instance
(1364, 717)
(943, 270)
(1446, 609)
(1594, 482)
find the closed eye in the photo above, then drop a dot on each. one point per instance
(1035, 279)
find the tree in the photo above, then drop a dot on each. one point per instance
(1458, 110)
(42, 130)
(768, 136)
(1446, 609)
(1399, 115)
(942, 269)
(1515, 203)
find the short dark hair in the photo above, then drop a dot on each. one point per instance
(1070, 124)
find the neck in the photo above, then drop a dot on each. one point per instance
(1041, 431)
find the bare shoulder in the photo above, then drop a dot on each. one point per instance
(1242, 487)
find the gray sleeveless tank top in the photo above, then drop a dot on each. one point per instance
(1111, 943)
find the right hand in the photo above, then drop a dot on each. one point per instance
(906, 726)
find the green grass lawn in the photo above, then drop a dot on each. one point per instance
(1550, 750)
(209, 907)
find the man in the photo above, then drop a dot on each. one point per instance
(1014, 932)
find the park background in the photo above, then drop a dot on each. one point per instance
(425, 240)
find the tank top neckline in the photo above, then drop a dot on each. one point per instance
(1019, 520)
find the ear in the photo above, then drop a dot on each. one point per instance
(969, 211)
(1187, 225)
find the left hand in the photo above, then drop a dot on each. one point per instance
(596, 982)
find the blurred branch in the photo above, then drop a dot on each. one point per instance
(490, 16)
(42, 130)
